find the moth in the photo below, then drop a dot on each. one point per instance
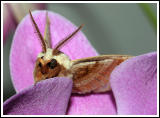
(88, 74)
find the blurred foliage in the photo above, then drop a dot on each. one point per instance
(150, 14)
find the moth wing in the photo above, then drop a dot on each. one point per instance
(92, 74)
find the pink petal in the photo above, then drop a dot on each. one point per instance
(134, 85)
(9, 22)
(13, 14)
(48, 97)
(26, 45)
(19, 10)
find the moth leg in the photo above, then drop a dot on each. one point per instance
(47, 34)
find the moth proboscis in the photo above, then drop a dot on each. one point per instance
(88, 74)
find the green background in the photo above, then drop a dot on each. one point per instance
(119, 28)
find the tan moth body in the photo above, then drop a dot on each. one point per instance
(88, 74)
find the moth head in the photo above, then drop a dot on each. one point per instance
(50, 62)
(49, 65)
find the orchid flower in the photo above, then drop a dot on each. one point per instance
(133, 82)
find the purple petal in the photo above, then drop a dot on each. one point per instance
(92, 104)
(134, 85)
(46, 97)
(26, 45)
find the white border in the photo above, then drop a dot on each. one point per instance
(79, 2)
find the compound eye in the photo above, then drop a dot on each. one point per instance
(40, 65)
(40, 62)
(52, 64)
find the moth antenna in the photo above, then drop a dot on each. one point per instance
(47, 35)
(65, 40)
(39, 34)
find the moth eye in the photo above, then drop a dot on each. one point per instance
(52, 64)
(40, 65)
